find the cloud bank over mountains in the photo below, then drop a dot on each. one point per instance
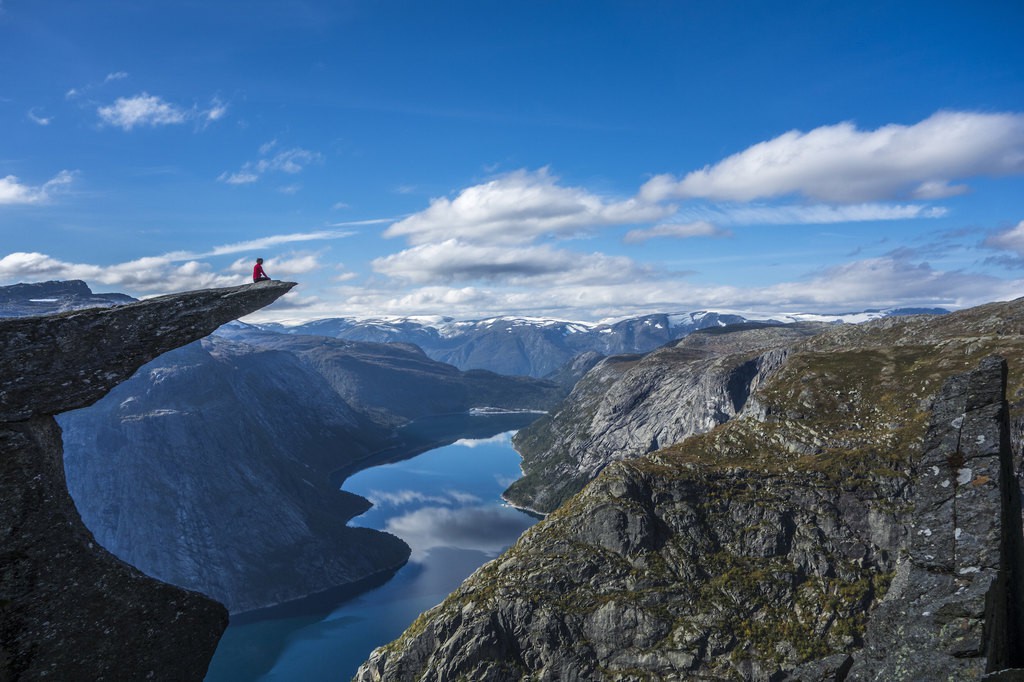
(525, 242)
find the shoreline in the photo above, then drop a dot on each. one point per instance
(318, 603)
(325, 600)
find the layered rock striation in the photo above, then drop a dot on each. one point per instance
(68, 608)
(858, 519)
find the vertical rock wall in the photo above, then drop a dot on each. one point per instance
(69, 610)
(953, 610)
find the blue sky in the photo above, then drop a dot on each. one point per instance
(582, 160)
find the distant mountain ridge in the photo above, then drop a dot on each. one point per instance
(538, 347)
(44, 298)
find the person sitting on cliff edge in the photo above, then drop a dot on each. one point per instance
(257, 272)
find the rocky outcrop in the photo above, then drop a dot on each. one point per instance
(955, 607)
(858, 519)
(630, 405)
(68, 608)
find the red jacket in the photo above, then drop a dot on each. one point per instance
(258, 274)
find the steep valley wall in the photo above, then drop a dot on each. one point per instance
(858, 519)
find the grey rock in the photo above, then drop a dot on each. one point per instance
(86, 353)
(628, 406)
(787, 543)
(937, 602)
(69, 609)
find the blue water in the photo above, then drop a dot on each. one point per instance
(446, 505)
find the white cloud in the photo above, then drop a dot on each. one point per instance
(518, 208)
(141, 110)
(39, 119)
(217, 110)
(239, 178)
(12, 191)
(115, 76)
(813, 214)
(290, 161)
(843, 164)
(884, 282)
(455, 261)
(282, 266)
(150, 274)
(700, 228)
(1008, 240)
(464, 498)
(263, 243)
(857, 285)
(372, 221)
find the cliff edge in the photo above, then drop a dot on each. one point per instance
(68, 608)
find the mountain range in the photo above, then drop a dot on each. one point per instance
(539, 347)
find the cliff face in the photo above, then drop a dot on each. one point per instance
(249, 430)
(68, 608)
(858, 519)
(234, 499)
(628, 406)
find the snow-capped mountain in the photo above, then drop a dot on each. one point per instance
(540, 346)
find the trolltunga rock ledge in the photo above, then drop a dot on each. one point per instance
(68, 608)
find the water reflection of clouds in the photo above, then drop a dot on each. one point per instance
(501, 439)
(399, 498)
(485, 529)
(462, 497)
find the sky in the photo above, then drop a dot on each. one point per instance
(583, 160)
